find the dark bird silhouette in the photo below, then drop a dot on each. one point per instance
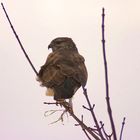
(64, 71)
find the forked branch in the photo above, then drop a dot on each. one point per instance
(93, 114)
(80, 122)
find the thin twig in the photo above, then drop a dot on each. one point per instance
(82, 119)
(104, 130)
(87, 134)
(55, 103)
(83, 126)
(93, 114)
(86, 108)
(12, 27)
(123, 123)
(108, 137)
(60, 118)
(106, 79)
(50, 112)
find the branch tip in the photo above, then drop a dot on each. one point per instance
(19, 41)
(86, 108)
(123, 123)
(106, 79)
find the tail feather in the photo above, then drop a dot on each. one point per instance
(49, 92)
(67, 89)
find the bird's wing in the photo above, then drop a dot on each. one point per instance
(80, 70)
(49, 73)
(58, 67)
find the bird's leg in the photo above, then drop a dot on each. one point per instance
(60, 101)
(68, 108)
(67, 105)
(71, 105)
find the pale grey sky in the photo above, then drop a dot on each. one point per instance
(37, 22)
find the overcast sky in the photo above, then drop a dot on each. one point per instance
(37, 22)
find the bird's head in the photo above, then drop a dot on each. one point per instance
(62, 43)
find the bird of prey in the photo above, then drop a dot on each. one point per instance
(64, 71)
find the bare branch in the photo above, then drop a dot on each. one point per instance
(81, 123)
(93, 114)
(104, 130)
(84, 129)
(12, 27)
(55, 103)
(87, 134)
(108, 137)
(50, 112)
(106, 79)
(123, 123)
(86, 108)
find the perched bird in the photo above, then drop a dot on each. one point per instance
(64, 71)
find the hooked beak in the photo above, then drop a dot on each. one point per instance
(49, 46)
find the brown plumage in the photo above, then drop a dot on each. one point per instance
(64, 70)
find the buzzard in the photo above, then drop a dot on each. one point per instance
(64, 71)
